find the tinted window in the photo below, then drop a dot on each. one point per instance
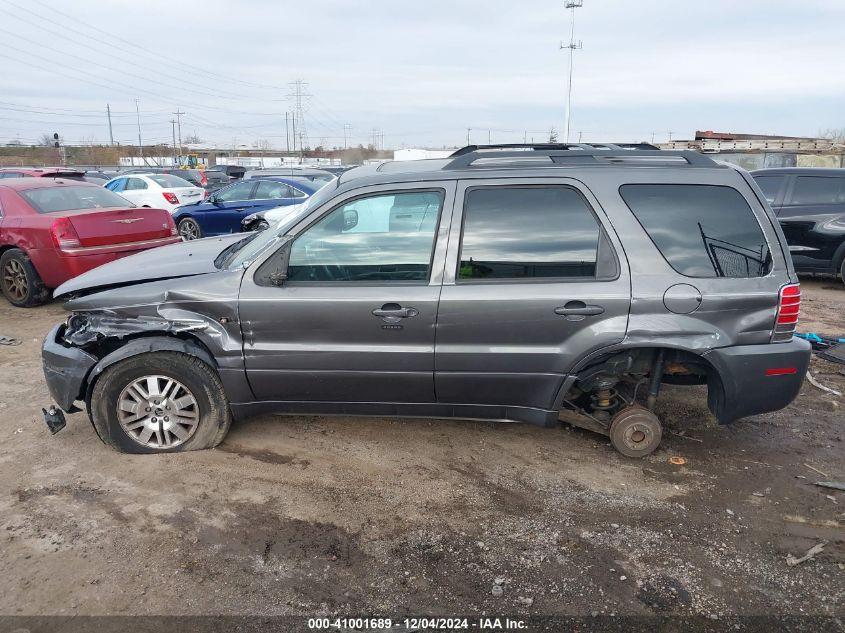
(379, 238)
(770, 185)
(239, 191)
(525, 232)
(817, 190)
(268, 190)
(701, 230)
(167, 181)
(50, 199)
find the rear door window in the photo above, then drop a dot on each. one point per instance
(701, 230)
(527, 232)
(269, 190)
(135, 184)
(817, 190)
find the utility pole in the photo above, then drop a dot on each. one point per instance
(287, 133)
(111, 135)
(572, 46)
(489, 137)
(140, 146)
(179, 126)
(173, 126)
(347, 135)
(469, 131)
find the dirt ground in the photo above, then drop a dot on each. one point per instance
(352, 516)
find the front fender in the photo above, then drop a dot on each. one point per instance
(143, 345)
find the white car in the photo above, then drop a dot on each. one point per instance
(159, 191)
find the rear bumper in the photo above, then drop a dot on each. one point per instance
(65, 369)
(56, 267)
(757, 378)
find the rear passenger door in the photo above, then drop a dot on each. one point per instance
(534, 282)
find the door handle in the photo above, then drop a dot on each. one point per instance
(394, 310)
(578, 308)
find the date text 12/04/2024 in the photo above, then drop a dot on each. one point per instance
(418, 624)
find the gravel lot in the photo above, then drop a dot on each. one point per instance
(313, 515)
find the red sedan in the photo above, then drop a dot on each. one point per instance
(53, 229)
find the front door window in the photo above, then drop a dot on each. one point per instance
(382, 238)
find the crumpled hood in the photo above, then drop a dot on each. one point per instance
(166, 262)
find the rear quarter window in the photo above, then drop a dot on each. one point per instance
(701, 230)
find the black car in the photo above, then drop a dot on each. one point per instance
(232, 171)
(215, 179)
(810, 205)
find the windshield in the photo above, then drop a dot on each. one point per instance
(52, 199)
(252, 246)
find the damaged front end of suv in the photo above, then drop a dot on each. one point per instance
(159, 304)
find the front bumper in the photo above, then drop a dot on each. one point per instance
(757, 378)
(65, 369)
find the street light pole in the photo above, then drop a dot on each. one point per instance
(572, 46)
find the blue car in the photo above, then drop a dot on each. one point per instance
(221, 213)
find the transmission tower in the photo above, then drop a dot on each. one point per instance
(299, 96)
(572, 46)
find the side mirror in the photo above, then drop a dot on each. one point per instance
(350, 219)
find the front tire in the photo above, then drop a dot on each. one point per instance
(160, 402)
(842, 271)
(189, 229)
(20, 282)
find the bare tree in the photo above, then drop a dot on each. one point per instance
(193, 139)
(262, 144)
(837, 135)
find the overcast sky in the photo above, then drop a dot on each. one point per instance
(421, 72)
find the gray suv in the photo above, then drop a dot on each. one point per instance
(525, 283)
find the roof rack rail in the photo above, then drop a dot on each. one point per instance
(544, 146)
(561, 154)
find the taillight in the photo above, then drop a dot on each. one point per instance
(789, 305)
(171, 197)
(64, 235)
(203, 179)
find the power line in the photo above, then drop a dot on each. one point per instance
(146, 50)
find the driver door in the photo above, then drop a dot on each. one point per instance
(355, 319)
(229, 208)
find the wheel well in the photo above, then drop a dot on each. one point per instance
(112, 350)
(643, 369)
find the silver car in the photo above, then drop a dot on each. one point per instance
(532, 284)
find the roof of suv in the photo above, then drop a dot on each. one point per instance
(526, 158)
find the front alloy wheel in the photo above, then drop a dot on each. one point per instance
(189, 229)
(158, 412)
